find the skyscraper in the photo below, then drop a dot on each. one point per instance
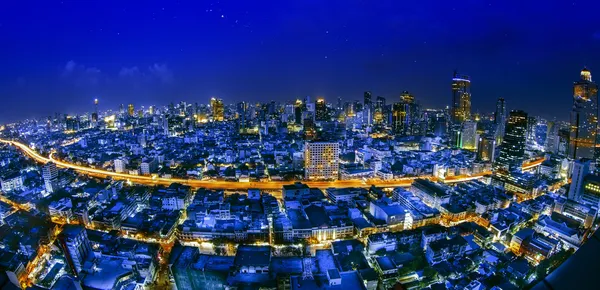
(218, 110)
(242, 112)
(50, 175)
(367, 99)
(321, 160)
(581, 168)
(584, 118)
(95, 113)
(404, 114)
(486, 148)
(130, 110)
(513, 146)
(320, 110)
(461, 98)
(298, 112)
(75, 245)
(469, 136)
(500, 113)
(552, 141)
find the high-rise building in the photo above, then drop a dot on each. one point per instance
(95, 113)
(321, 160)
(584, 118)
(120, 165)
(380, 102)
(321, 110)
(367, 99)
(50, 175)
(298, 112)
(581, 168)
(486, 148)
(469, 136)
(242, 115)
(130, 110)
(500, 113)
(461, 98)
(512, 151)
(76, 246)
(404, 115)
(310, 128)
(218, 110)
(552, 140)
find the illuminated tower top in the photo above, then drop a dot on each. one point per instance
(586, 75)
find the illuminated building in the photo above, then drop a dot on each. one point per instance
(461, 98)
(500, 113)
(551, 138)
(320, 110)
(298, 112)
(581, 168)
(76, 246)
(321, 160)
(218, 110)
(50, 175)
(513, 146)
(380, 102)
(404, 114)
(349, 109)
(310, 129)
(130, 110)
(486, 148)
(95, 113)
(469, 136)
(367, 99)
(151, 110)
(584, 118)
(242, 115)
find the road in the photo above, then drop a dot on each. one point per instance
(271, 185)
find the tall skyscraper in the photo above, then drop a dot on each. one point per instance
(130, 110)
(584, 118)
(581, 168)
(500, 113)
(50, 175)
(321, 110)
(552, 140)
(485, 148)
(218, 110)
(76, 246)
(461, 98)
(95, 113)
(513, 146)
(298, 112)
(469, 136)
(380, 102)
(321, 160)
(404, 114)
(367, 99)
(242, 114)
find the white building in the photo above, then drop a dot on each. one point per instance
(14, 182)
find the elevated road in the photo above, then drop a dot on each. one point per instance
(229, 185)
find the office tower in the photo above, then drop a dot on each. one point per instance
(310, 128)
(151, 110)
(500, 113)
(513, 145)
(76, 246)
(130, 110)
(349, 109)
(581, 168)
(380, 102)
(584, 118)
(321, 110)
(122, 109)
(298, 112)
(321, 160)
(461, 98)
(340, 105)
(367, 99)
(404, 114)
(486, 148)
(50, 175)
(218, 110)
(531, 127)
(552, 141)
(242, 115)
(95, 113)
(469, 136)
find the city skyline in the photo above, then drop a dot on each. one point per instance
(236, 54)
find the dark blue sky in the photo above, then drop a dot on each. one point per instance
(57, 56)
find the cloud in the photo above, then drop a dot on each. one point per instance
(81, 75)
(126, 72)
(162, 72)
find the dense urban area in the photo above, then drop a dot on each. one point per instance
(314, 193)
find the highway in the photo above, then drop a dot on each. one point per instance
(229, 185)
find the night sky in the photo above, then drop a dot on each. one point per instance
(57, 56)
